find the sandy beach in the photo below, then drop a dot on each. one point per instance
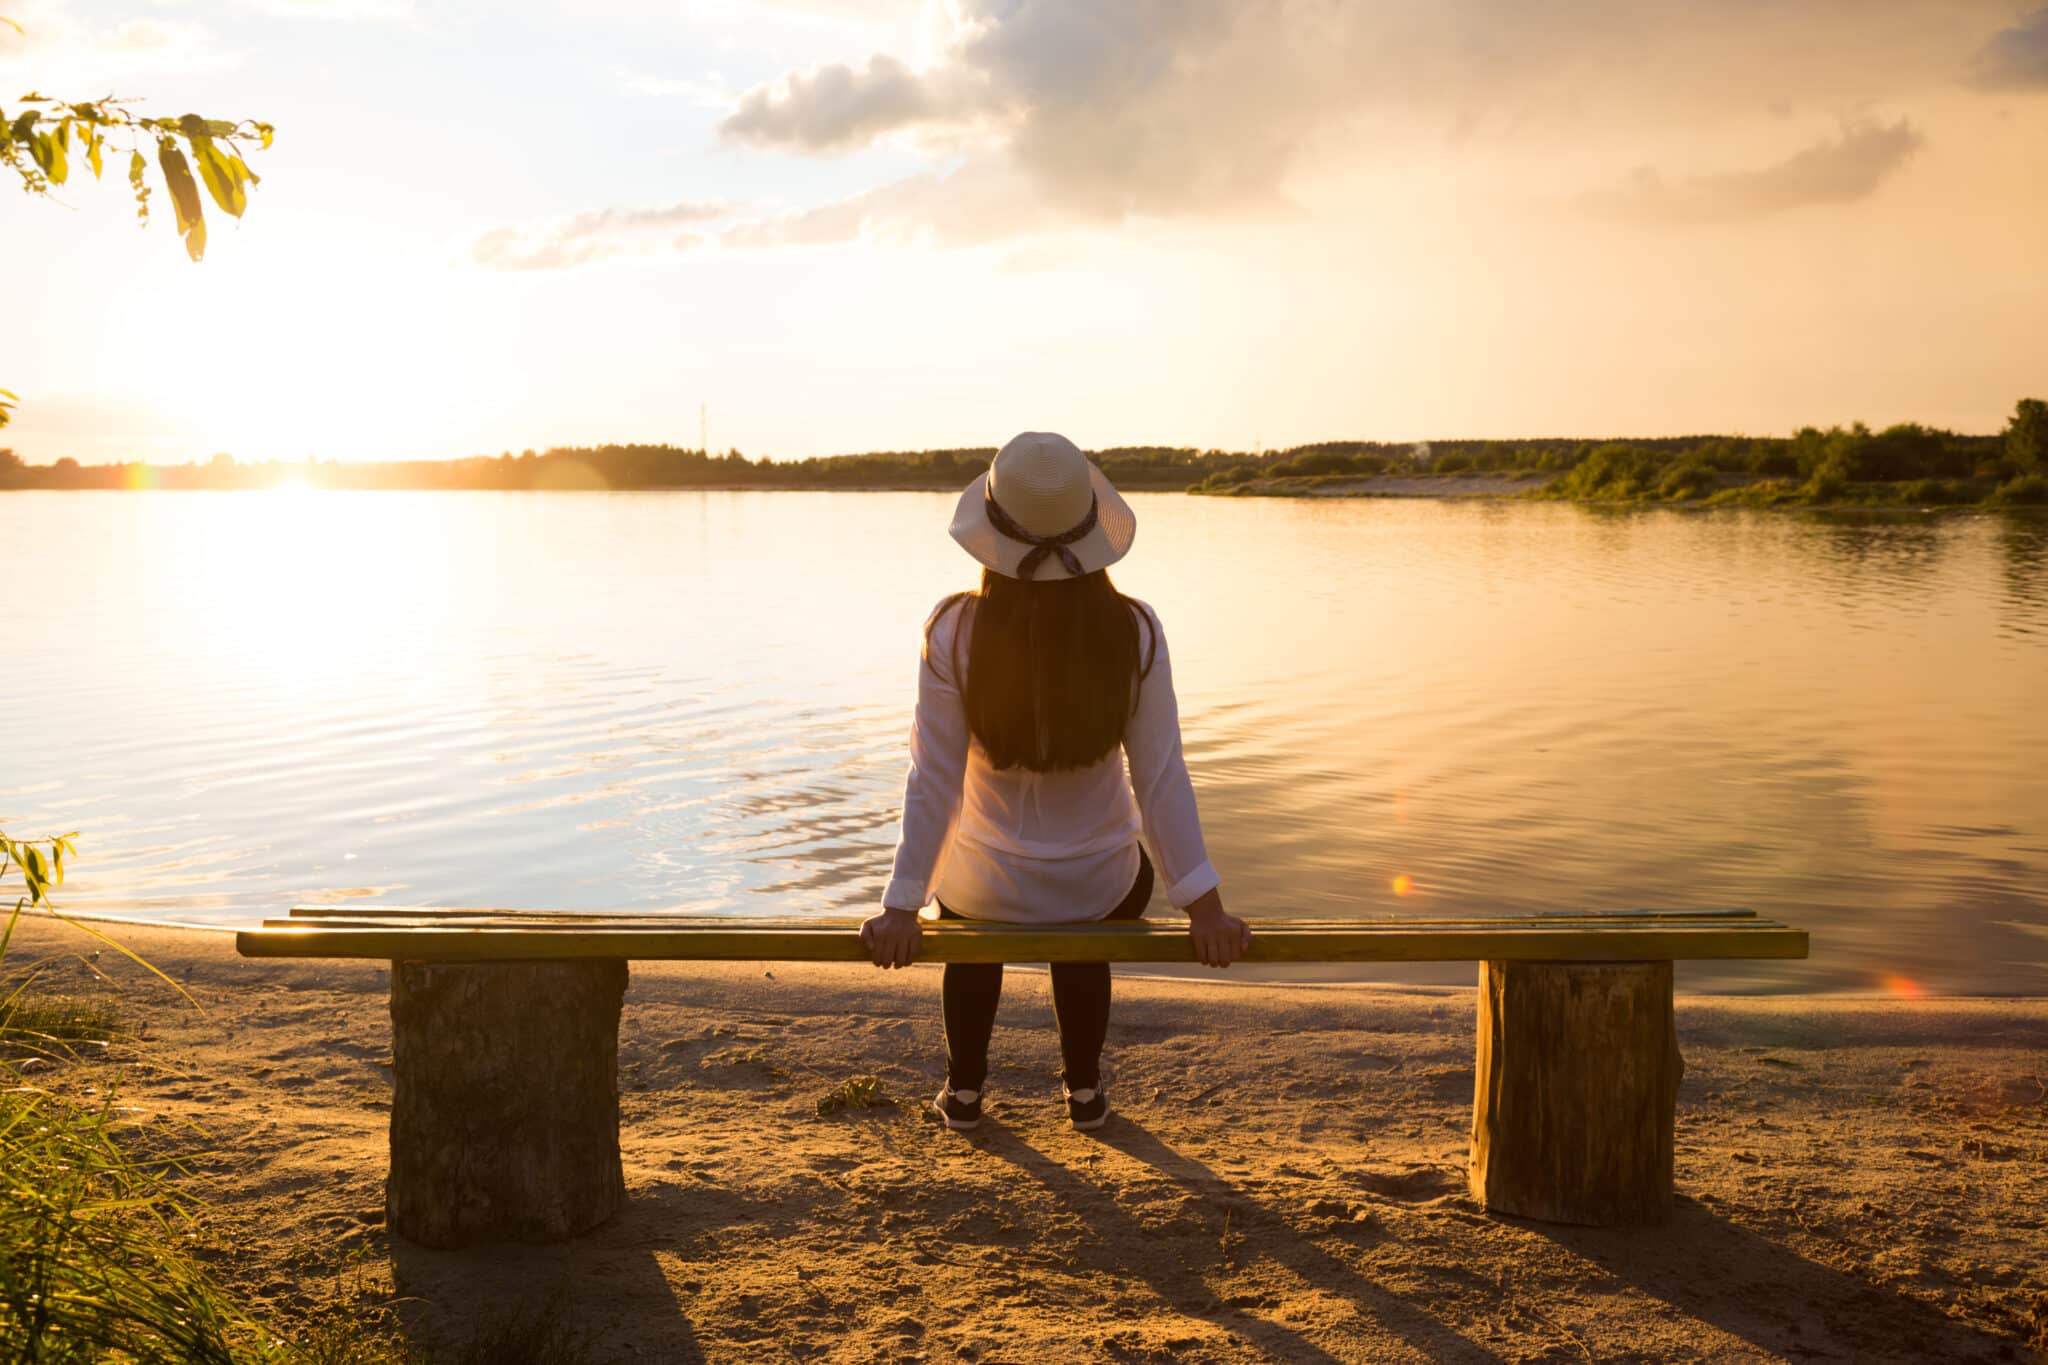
(1859, 1179)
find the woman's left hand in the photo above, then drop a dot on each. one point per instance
(891, 937)
(1220, 937)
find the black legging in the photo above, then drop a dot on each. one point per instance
(1080, 1005)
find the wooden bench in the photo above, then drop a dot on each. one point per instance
(505, 1115)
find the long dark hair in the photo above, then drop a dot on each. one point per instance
(1053, 667)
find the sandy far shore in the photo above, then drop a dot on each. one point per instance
(1283, 1178)
(1429, 485)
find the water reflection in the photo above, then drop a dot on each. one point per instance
(2023, 556)
(698, 701)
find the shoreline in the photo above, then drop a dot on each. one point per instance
(1193, 975)
(1750, 495)
(1283, 1176)
(1507, 486)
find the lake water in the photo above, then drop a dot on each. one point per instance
(698, 702)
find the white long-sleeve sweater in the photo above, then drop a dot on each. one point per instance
(1031, 847)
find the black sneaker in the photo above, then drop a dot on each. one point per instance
(961, 1109)
(1088, 1109)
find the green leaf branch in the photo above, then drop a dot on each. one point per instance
(41, 863)
(40, 137)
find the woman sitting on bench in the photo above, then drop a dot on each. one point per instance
(1030, 694)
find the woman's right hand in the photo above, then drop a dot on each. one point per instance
(1221, 938)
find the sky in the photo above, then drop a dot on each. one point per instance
(825, 226)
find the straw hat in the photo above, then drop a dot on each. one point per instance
(1043, 510)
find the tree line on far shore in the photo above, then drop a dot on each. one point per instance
(1901, 464)
(634, 466)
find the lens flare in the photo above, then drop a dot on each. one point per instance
(1404, 885)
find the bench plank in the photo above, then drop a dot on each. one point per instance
(1638, 940)
(676, 917)
(670, 923)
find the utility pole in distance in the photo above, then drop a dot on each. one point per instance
(703, 427)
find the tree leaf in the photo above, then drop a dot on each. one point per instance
(93, 143)
(184, 197)
(136, 167)
(48, 150)
(23, 126)
(217, 169)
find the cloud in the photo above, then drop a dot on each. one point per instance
(709, 92)
(1214, 108)
(599, 235)
(144, 35)
(2016, 57)
(1109, 109)
(343, 11)
(833, 108)
(965, 207)
(1839, 170)
(59, 53)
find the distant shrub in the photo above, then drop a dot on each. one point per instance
(1451, 462)
(1325, 462)
(2025, 490)
(1934, 493)
(1770, 459)
(2026, 436)
(1763, 493)
(1828, 484)
(1686, 479)
(1233, 477)
(1611, 472)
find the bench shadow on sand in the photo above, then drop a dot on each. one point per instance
(599, 1288)
(1189, 1291)
(1707, 1268)
(1700, 1265)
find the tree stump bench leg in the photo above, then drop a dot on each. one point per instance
(1576, 1091)
(505, 1100)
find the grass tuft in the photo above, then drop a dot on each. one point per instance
(65, 1018)
(539, 1335)
(339, 1340)
(857, 1092)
